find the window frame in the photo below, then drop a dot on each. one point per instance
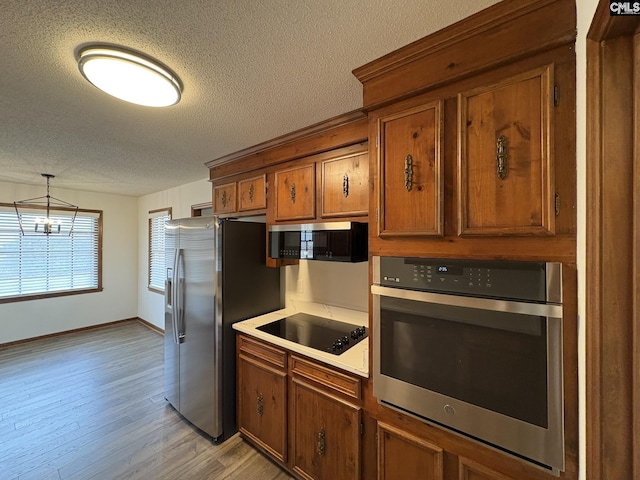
(64, 293)
(154, 214)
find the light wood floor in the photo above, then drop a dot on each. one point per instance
(90, 405)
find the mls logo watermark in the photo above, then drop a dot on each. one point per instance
(624, 8)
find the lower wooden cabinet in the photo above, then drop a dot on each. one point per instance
(305, 414)
(401, 455)
(262, 395)
(326, 434)
(470, 470)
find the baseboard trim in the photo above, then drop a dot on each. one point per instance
(66, 332)
(151, 326)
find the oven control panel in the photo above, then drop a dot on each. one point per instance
(526, 281)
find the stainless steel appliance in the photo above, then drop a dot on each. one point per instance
(330, 241)
(317, 332)
(216, 275)
(474, 346)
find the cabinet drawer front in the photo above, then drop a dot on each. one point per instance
(260, 350)
(252, 194)
(224, 198)
(506, 179)
(345, 186)
(401, 455)
(296, 193)
(410, 172)
(340, 382)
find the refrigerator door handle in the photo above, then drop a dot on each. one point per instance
(175, 287)
(180, 292)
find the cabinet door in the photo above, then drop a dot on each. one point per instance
(262, 405)
(505, 165)
(296, 193)
(224, 198)
(470, 470)
(345, 186)
(410, 172)
(401, 455)
(252, 194)
(326, 436)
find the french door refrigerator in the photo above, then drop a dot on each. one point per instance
(215, 276)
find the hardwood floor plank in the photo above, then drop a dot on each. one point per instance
(91, 405)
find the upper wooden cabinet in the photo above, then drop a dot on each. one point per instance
(253, 193)
(505, 157)
(224, 198)
(345, 186)
(295, 193)
(410, 171)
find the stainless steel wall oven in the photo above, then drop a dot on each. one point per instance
(474, 346)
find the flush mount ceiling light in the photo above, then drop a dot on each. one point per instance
(45, 215)
(129, 76)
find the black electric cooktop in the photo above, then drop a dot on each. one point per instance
(317, 332)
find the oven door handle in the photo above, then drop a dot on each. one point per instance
(508, 306)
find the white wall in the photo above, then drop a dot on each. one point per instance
(119, 298)
(180, 199)
(340, 284)
(585, 11)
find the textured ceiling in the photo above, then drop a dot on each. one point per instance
(252, 70)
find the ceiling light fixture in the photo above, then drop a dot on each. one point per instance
(130, 76)
(35, 214)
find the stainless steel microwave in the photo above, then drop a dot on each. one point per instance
(329, 241)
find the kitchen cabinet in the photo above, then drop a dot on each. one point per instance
(410, 171)
(470, 470)
(505, 161)
(401, 455)
(295, 190)
(253, 194)
(345, 186)
(303, 413)
(262, 396)
(326, 425)
(224, 198)
(244, 195)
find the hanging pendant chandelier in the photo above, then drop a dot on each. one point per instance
(45, 215)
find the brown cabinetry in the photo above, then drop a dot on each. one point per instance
(410, 171)
(245, 195)
(506, 182)
(345, 186)
(262, 396)
(252, 194)
(295, 193)
(224, 198)
(303, 413)
(401, 455)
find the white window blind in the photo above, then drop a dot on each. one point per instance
(157, 220)
(35, 265)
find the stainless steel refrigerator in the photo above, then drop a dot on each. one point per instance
(215, 276)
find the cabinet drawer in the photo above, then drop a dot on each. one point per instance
(470, 470)
(338, 381)
(271, 355)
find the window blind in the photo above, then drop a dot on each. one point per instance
(156, 248)
(43, 264)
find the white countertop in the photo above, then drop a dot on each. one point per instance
(354, 360)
